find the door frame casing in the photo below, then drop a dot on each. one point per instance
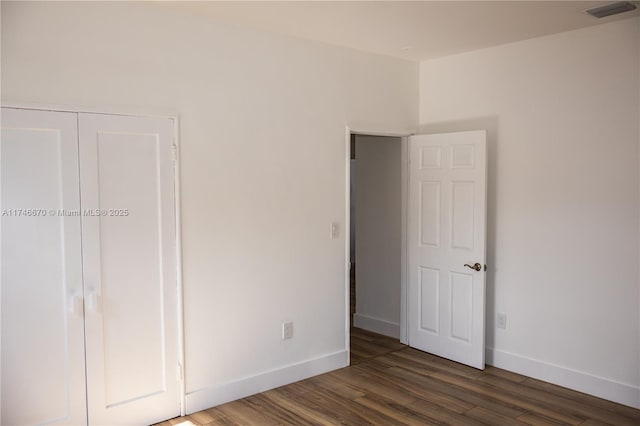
(173, 116)
(404, 177)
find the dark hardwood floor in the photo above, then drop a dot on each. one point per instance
(391, 384)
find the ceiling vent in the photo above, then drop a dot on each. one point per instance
(611, 9)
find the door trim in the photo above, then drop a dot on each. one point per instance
(177, 205)
(177, 185)
(105, 110)
(404, 176)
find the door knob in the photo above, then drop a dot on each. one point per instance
(475, 267)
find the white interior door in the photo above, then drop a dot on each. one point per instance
(43, 377)
(129, 246)
(446, 230)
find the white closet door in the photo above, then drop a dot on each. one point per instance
(42, 326)
(129, 247)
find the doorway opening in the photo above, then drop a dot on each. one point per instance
(375, 244)
(442, 240)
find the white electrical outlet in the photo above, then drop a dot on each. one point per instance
(287, 330)
(501, 320)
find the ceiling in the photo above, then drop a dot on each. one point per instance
(413, 30)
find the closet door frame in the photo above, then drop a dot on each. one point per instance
(155, 113)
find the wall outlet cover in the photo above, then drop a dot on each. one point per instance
(287, 330)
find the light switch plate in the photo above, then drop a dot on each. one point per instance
(335, 230)
(501, 320)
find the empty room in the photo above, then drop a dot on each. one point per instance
(310, 212)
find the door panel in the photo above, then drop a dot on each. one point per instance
(446, 229)
(462, 211)
(131, 267)
(461, 306)
(430, 213)
(42, 326)
(130, 274)
(429, 299)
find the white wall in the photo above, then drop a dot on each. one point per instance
(562, 115)
(262, 128)
(378, 212)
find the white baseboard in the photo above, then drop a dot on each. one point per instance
(216, 395)
(577, 380)
(377, 325)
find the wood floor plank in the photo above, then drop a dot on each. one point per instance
(558, 402)
(507, 397)
(489, 417)
(316, 415)
(202, 417)
(593, 401)
(366, 344)
(440, 415)
(420, 361)
(223, 421)
(294, 389)
(508, 375)
(423, 391)
(592, 422)
(184, 421)
(458, 393)
(269, 406)
(247, 412)
(536, 420)
(364, 350)
(215, 412)
(390, 384)
(372, 384)
(342, 389)
(344, 410)
(368, 414)
(399, 413)
(334, 412)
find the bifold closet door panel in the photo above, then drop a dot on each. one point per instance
(129, 248)
(42, 367)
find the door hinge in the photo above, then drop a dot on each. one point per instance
(175, 152)
(179, 371)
